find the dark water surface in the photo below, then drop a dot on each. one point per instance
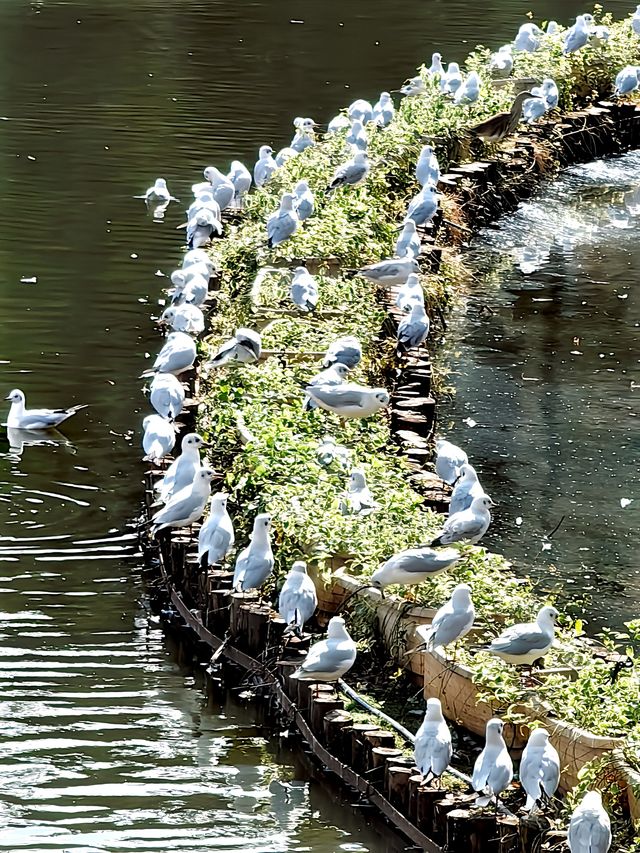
(547, 371)
(103, 746)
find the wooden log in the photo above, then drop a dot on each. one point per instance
(415, 781)
(219, 611)
(358, 750)
(397, 787)
(441, 809)
(290, 685)
(471, 832)
(237, 601)
(310, 690)
(275, 629)
(508, 834)
(375, 739)
(530, 830)
(258, 629)
(380, 755)
(219, 579)
(320, 707)
(333, 724)
(295, 646)
(426, 798)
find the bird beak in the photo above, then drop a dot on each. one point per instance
(8, 398)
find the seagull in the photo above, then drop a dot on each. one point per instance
(410, 293)
(408, 244)
(283, 223)
(183, 469)
(223, 187)
(528, 38)
(241, 179)
(328, 451)
(469, 92)
(158, 193)
(465, 489)
(436, 65)
(360, 110)
(349, 400)
(339, 122)
(527, 642)
(197, 256)
(255, 563)
(304, 136)
(452, 621)
(534, 108)
(550, 93)
(501, 125)
(427, 167)
(189, 286)
(357, 136)
(245, 346)
(351, 173)
(413, 566)
(413, 329)
(166, 395)
(501, 63)
(470, 525)
(599, 36)
(627, 79)
(187, 505)
(347, 351)
(201, 228)
(358, 500)
(432, 749)
(265, 166)
(589, 827)
(493, 770)
(304, 289)
(158, 439)
(284, 155)
(451, 81)
(304, 200)
(577, 36)
(183, 317)
(176, 356)
(203, 201)
(216, 536)
(384, 110)
(449, 459)
(635, 21)
(423, 206)
(391, 271)
(335, 374)
(539, 769)
(329, 659)
(414, 86)
(298, 599)
(21, 418)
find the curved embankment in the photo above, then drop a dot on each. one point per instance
(266, 446)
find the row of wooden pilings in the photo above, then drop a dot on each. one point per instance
(448, 819)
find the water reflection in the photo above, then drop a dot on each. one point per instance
(546, 365)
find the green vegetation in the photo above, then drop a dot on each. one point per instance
(275, 467)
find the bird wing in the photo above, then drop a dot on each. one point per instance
(588, 833)
(520, 640)
(338, 396)
(481, 769)
(464, 525)
(176, 509)
(227, 352)
(330, 658)
(450, 627)
(42, 418)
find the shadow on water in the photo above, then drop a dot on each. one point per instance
(547, 384)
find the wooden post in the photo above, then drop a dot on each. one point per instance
(290, 685)
(397, 787)
(358, 733)
(375, 739)
(258, 629)
(237, 601)
(508, 834)
(469, 832)
(426, 798)
(532, 827)
(333, 725)
(219, 611)
(320, 707)
(414, 786)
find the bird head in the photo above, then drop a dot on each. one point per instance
(15, 396)
(382, 396)
(300, 567)
(336, 627)
(494, 729)
(357, 480)
(461, 594)
(548, 616)
(434, 709)
(538, 737)
(219, 501)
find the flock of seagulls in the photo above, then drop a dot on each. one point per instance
(185, 490)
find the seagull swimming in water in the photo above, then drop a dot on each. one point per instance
(23, 418)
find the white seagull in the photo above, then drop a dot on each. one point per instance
(304, 289)
(187, 505)
(358, 500)
(245, 346)
(390, 272)
(493, 769)
(158, 439)
(525, 643)
(265, 166)
(255, 563)
(413, 566)
(216, 536)
(351, 173)
(452, 621)
(298, 598)
(466, 488)
(283, 223)
(329, 659)
(432, 749)
(349, 400)
(589, 827)
(449, 459)
(539, 769)
(21, 418)
(469, 525)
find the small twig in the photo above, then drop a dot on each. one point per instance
(555, 529)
